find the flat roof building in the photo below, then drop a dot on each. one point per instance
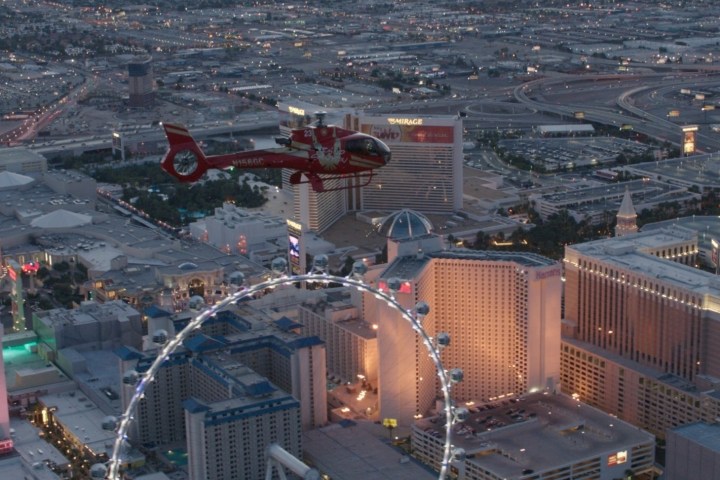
(239, 231)
(693, 451)
(596, 203)
(350, 341)
(83, 425)
(141, 82)
(699, 171)
(539, 436)
(22, 160)
(91, 326)
(231, 422)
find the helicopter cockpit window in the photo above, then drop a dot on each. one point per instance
(361, 146)
(370, 147)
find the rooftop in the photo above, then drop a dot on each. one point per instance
(83, 418)
(540, 431)
(356, 452)
(628, 252)
(707, 435)
(701, 170)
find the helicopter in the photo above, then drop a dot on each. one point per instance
(319, 152)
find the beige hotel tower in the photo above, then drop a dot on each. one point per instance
(501, 310)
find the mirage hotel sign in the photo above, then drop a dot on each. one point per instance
(405, 121)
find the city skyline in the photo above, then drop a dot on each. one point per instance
(526, 289)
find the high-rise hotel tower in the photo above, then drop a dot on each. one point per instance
(424, 174)
(641, 334)
(501, 310)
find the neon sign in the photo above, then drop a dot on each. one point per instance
(296, 111)
(617, 458)
(405, 121)
(293, 224)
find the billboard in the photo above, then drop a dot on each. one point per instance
(617, 458)
(408, 130)
(688, 143)
(295, 256)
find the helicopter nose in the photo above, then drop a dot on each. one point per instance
(386, 158)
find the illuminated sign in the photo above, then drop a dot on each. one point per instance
(390, 422)
(410, 133)
(715, 248)
(296, 111)
(405, 121)
(295, 252)
(295, 225)
(294, 246)
(617, 458)
(689, 139)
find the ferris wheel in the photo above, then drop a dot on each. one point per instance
(277, 457)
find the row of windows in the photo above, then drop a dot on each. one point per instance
(640, 282)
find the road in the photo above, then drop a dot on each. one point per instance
(641, 120)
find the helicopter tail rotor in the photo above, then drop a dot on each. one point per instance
(184, 160)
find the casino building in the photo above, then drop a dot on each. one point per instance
(424, 174)
(642, 329)
(501, 310)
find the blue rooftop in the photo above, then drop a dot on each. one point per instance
(202, 343)
(285, 324)
(154, 311)
(128, 353)
(260, 389)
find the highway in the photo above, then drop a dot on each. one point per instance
(641, 120)
(154, 134)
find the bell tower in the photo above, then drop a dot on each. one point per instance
(626, 217)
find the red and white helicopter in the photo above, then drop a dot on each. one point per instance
(320, 152)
